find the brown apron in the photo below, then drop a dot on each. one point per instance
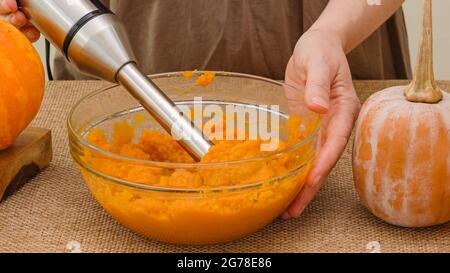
(247, 36)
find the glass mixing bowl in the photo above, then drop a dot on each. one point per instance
(230, 199)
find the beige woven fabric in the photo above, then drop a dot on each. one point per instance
(56, 208)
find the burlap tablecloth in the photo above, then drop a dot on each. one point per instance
(57, 208)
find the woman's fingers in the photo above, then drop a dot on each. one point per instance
(307, 194)
(338, 132)
(31, 32)
(9, 12)
(18, 19)
(8, 6)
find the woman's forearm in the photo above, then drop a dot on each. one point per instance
(354, 20)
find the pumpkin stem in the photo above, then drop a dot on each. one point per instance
(424, 88)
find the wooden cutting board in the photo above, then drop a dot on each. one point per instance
(31, 153)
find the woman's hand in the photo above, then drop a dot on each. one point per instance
(320, 68)
(9, 12)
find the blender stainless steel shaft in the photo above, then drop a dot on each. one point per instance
(92, 39)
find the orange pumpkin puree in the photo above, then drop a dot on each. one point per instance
(188, 75)
(200, 217)
(206, 79)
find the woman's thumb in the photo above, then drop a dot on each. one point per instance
(317, 89)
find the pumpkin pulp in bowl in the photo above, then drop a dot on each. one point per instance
(147, 182)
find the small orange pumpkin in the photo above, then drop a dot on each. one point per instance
(401, 155)
(22, 83)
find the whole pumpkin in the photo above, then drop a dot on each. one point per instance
(22, 83)
(401, 155)
(401, 159)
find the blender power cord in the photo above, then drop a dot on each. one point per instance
(47, 60)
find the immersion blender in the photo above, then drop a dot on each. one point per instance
(92, 39)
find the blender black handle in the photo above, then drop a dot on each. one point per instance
(80, 24)
(101, 6)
